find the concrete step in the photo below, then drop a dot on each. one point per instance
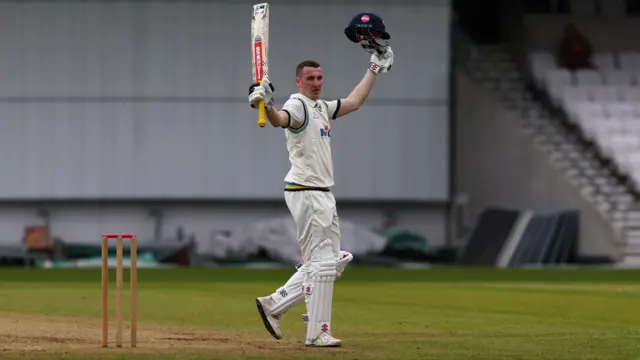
(632, 252)
(633, 235)
(634, 216)
(631, 261)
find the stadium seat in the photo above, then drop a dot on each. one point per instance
(604, 61)
(603, 101)
(540, 62)
(588, 77)
(604, 93)
(630, 60)
(621, 110)
(555, 80)
(594, 127)
(630, 94)
(584, 109)
(617, 77)
(573, 96)
(623, 142)
(604, 127)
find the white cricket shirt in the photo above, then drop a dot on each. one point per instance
(308, 139)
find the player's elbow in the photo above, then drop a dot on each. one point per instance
(354, 107)
(279, 119)
(277, 123)
(284, 119)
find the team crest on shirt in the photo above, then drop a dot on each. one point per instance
(317, 107)
(326, 131)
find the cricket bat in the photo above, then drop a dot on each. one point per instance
(260, 49)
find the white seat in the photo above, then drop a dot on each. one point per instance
(635, 175)
(571, 95)
(604, 142)
(631, 125)
(586, 121)
(616, 144)
(629, 60)
(607, 128)
(604, 93)
(620, 110)
(594, 127)
(617, 77)
(624, 155)
(540, 62)
(588, 77)
(633, 158)
(627, 142)
(579, 110)
(630, 94)
(604, 61)
(614, 126)
(558, 76)
(555, 81)
(628, 162)
(591, 108)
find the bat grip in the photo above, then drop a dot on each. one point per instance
(261, 115)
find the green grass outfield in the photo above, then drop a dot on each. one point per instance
(378, 313)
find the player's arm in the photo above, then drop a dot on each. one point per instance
(377, 64)
(357, 96)
(277, 118)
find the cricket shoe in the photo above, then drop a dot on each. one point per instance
(271, 322)
(325, 340)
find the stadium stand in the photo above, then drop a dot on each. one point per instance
(586, 112)
(597, 101)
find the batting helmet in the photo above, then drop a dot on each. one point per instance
(368, 30)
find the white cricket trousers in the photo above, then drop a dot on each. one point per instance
(316, 218)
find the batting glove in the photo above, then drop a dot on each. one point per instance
(381, 63)
(263, 91)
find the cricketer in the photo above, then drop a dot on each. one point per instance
(306, 119)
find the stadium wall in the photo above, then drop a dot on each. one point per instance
(105, 103)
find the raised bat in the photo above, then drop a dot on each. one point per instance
(260, 49)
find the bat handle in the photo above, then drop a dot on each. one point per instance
(261, 115)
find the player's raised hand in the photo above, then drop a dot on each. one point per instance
(263, 91)
(381, 63)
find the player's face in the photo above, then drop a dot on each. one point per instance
(310, 82)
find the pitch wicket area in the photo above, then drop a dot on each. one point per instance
(133, 283)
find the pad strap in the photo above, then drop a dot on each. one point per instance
(345, 259)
